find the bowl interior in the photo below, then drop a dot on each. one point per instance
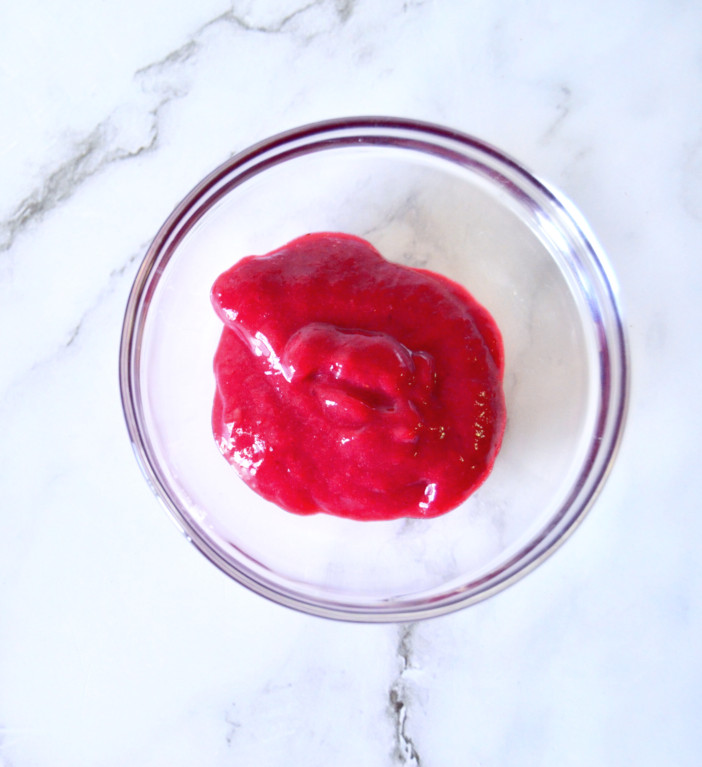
(455, 216)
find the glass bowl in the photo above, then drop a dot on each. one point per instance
(425, 196)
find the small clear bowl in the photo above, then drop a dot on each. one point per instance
(425, 196)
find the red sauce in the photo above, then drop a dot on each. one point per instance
(350, 385)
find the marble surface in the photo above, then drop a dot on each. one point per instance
(119, 643)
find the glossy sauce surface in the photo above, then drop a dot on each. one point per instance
(350, 385)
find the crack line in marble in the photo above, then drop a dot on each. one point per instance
(180, 55)
(405, 752)
(563, 107)
(344, 9)
(93, 153)
(107, 289)
(56, 355)
(90, 156)
(233, 724)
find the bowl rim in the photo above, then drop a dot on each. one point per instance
(214, 184)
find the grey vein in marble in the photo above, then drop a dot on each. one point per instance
(109, 287)
(405, 752)
(563, 106)
(97, 150)
(343, 9)
(233, 724)
(182, 54)
(89, 156)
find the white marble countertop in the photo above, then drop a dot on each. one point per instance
(119, 643)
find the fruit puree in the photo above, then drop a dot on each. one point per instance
(354, 386)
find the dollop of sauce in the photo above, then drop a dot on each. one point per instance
(354, 386)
